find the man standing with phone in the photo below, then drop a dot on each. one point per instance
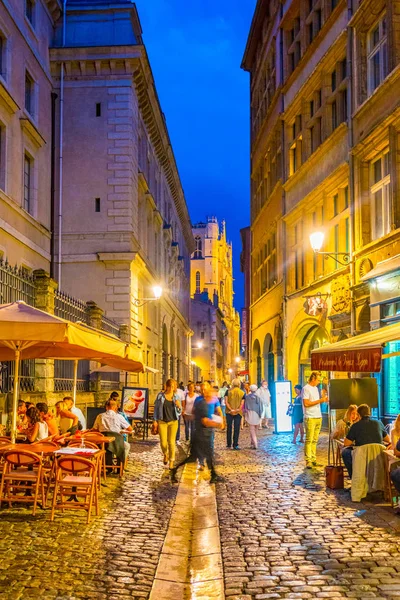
(312, 418)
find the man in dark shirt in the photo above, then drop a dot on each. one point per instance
(365, 431)
(202, 448)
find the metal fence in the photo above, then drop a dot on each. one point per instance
(69, 308)
(16, 284)
(109, 326)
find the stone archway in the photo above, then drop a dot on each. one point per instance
(164, 353)
(269, 359)
(364, 318)
(314, 337)
(257, 361)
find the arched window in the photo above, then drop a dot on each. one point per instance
(197, 282)
(199, 247)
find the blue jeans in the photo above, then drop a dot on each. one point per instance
(232, 421)
(395, 477)
(189, 428)
(347, 457)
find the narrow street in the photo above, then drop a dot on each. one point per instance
(282, 535)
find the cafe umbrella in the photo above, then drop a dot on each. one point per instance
(27, 332)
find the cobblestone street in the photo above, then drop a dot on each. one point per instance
(112, 558)
(282, 534)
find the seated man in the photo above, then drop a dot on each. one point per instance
(112, 422)
(365, 431)
(75, 411)
(48, 418)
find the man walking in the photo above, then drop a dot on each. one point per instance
(265, 396)
(312, 418)
(234, 407)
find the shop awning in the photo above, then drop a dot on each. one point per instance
(359, 354)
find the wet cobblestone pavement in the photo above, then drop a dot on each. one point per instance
(114, 557)
(283, 535)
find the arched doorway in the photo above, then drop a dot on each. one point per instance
(314, 338)
(172, 353)
(279, 351)
(164, 353)
(257, 360)
(268, 355)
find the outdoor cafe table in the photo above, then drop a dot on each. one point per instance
(94, 438)
(36, 448)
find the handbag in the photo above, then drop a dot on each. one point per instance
(334, 474)
(154, 428)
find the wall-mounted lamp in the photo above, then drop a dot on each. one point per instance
(317, 240)
(237, 360)
(157, 291)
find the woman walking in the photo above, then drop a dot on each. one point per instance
(253, 410)
(188, 415)
(297, 415)
(167, 410)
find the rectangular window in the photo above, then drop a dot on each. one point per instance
(343, 68)
(347, 230)
(380, 196)
(343, 98)
(30, 10)
(97, 205)
(312, 139)
(335, 205)
(311, 108)
(334, 115)
(319, 98)
(29, 93)
(377, 55)
(28, 184)
(318, 21)
(98, 109)
(346, 197)
(333, 80)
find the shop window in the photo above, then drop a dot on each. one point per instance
(379, 195)
(377, 54)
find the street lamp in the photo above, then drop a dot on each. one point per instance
(317, 240)
(230, 371)
(238, 359)
(199, 345)
(157, 291)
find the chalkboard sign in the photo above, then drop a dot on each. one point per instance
(343, 392)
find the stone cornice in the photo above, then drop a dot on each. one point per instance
(6, 99)
(33, 133)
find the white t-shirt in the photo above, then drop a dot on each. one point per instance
(189, 403)
(110, 421)
(311, 392)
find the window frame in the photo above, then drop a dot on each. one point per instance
(374, 50)
(28, 201)
(384, 184)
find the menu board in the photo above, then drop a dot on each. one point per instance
(391, 371)
(283, 397)
(134, 402)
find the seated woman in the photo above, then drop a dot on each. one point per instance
(343, 425)
(48, 418)
(67, 421)
(37, 429)
(395, 432)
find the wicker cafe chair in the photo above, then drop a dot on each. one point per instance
(76, 477)
(23, 472)
(390, 491)
(90, 437)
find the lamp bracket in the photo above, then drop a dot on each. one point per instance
(343, 260)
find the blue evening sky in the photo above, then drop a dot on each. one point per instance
(195, 49)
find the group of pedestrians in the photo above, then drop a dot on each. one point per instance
(205, 408)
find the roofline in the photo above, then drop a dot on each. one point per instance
(256, 24)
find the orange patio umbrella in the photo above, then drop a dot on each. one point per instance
(26, 332)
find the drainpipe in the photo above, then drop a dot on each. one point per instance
(52, 183)
(60, 192)
(350, 37)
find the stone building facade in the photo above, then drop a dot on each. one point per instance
(125, 226)
(26, 33)
(213, 318)
(325, 157)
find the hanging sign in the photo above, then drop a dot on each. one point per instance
(364, 360)
(315, 306)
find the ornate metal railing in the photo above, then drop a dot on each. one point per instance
(16, 284)
(64, 376)
(70, 308)
(109, 326)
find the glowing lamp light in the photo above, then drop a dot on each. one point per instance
(238, 359)
(157, 291)
(230, 371)
(316, 240)
(193, 363)
(199, 345)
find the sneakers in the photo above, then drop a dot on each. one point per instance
(216, 479)
(315, 464)
(236, 447)
(173, 476)
(309, 466)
